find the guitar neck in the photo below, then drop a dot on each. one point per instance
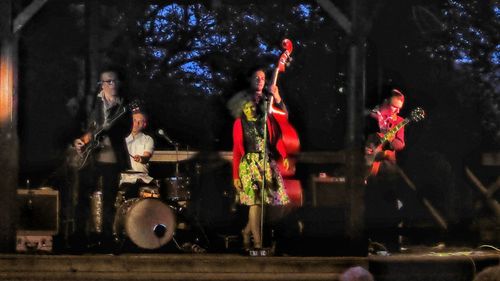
(395, 129)
(111, 121)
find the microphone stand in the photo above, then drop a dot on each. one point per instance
(176, 161)
(176, 145)
(262, 191)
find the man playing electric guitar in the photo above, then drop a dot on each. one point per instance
(382, 193)
(387, 118)
(108, 156)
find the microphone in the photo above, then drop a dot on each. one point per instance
(161, 133)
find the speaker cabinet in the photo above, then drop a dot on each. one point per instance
(324, 221)
(328, 192)
(327, 214)
(38, 211)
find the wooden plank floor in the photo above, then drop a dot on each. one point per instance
(423, 266)
(172, 267)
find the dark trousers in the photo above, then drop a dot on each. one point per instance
(381, 201)
(102, 177)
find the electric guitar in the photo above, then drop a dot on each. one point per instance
(371, 159)
(93, 142)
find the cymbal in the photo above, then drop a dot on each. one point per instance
(131, 172)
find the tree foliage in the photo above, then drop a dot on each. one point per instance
(470, 42)
(186, 58)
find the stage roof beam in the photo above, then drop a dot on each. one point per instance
(336, 15)
(28, 12)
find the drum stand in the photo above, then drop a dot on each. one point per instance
(193, 247)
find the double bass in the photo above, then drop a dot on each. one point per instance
(289, 135)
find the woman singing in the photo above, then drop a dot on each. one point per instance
(248, 163)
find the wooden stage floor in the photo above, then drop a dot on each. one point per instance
(421, 264)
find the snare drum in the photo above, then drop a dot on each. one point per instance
(147, 222)
(149, 192)
(176, 188)
(135, 184)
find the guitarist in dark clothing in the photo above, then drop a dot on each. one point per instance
(103, 141)
(385, 118)
(382, 202)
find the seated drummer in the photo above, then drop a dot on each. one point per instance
(140, 148)
(139, 145)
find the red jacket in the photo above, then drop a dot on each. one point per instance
(239, 148)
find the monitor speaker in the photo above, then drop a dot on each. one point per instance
(38, 211)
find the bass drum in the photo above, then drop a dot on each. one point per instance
(147, 222)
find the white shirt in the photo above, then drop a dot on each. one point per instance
(137, 146)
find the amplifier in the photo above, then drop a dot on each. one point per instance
(38, 212)
(325, 221)
(328, 191)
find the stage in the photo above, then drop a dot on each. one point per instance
(414, 264)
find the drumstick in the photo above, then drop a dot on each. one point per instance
(133, 157)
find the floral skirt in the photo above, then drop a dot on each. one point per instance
(251, 176)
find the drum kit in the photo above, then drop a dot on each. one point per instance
(148, 217)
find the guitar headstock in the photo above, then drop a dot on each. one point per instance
(417, 114)
(285, 58)
(135, 105)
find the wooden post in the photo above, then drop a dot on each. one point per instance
(355, 128)
(356, 85)
(92, 13)
(9, 165)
